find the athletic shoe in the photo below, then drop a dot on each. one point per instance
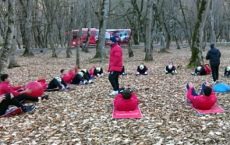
(45, 97)
(213, 82)
(113, 93)
(28, 108)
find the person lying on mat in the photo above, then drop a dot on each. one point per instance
(203, 69)
(79, 79)
(59, 83)
(205, 100)
(17, 91)
(227, 72)
(142, 70)
(170, 68)
(69, 74)
(126, 101)
(9, 99)
(86, 74)
(98, 71)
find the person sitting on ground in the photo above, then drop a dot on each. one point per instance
(126, 101)
(203, 69)
(9, 99)
(205, 100)
(142, 70)
(227, 72)
(59, 83)
(17, 91)
(123, 71)
(170, 68)
(98, 71)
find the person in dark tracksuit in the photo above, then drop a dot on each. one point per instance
(227, 72)
(58, 82)
(214, 56)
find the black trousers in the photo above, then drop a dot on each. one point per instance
(26, 97)
(215, 72)
(54, 83)
(8, 101)
(77, 79)
(113, 79)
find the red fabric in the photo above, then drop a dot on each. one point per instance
(115, 59)
(68, 77)
(208, 69)
(121, 104)
(42, 81)
(202, 102)
(91, 70)
(6, 88)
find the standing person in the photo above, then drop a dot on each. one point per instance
(214, 56)
(115, 64)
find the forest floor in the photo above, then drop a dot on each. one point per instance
(83, 115)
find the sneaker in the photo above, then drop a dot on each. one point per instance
(113, 93)
(45, 97)
(213, 82)
(28, 108)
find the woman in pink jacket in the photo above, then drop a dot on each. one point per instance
(115, 64)
(205, 100)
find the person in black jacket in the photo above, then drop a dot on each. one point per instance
(214, 56)
(227, 72)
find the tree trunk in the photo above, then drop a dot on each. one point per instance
(79, 37)
(197, 38)
(9, 39)
(213, 34)
(149, 50)
(51, 41)
(27, 42)
(72, 26)
(13, 57)
(130, 51)
(100, 48)
(89, 23)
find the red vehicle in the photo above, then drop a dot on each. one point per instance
(123, 36)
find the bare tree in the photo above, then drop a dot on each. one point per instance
(100, 48)
(9, 39)
(149, 49)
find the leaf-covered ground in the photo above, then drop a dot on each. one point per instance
(84, 114)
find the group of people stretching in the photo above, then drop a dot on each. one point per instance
(125, 100)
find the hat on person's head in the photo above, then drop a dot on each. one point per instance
(81, 74)
(212, 45)
(141, 67)
(199, 68)
(113, 39)
(98, 69)
(170, 66)
(228, 68)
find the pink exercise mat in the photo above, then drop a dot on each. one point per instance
(214, 109)
(12, 111)
(127, 114)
